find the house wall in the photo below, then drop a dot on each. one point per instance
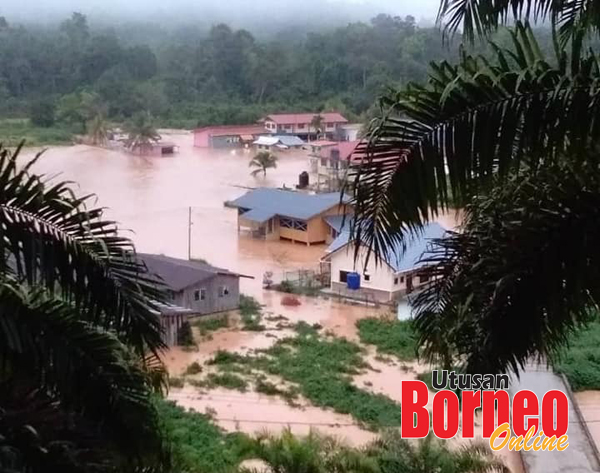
(171, 324)
(225, 141)
(213, 302)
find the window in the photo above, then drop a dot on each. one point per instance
(301, 126)
(292, 223)
(343, 276)
(287, 127)
(329, 125)
(196, 295)
(223, 291)
(423, 278)
(396, 280)
(324, 162)
(367, 277)
(203, 294)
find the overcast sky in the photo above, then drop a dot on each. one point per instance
(236, 12)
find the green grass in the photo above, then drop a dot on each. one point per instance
(225, 380)
(14, 130)
(206, 326)
(198, 445)
(392, 337)
(251, 314)
(580, 360)
(193, 368)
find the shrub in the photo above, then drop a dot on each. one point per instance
(176, 382)
(393, 337)
(193, 368)
(226, 380)
(210, 325)
(184, 335)
(42, 113)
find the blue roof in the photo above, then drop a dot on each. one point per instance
(285, 203)
(258, 215)
(399, 261)
(289, 140)
(337, 221)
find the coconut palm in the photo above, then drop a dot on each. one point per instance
(313, 453)
(474, 129)
(396, 455)
(141, 131)
(79, 335)
(97, 129)
(262, 161)
(317, 124)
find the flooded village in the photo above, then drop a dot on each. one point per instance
(242, 237)
(175, 207)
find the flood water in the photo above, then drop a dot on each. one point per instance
(151, 196)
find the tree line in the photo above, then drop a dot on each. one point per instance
(220, 77)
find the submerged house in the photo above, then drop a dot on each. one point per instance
(288, 215)
(397, 274)
(160, 148)
(300, 124)
(331, 163)
(228, 136)
(196, 288)
(278, 142)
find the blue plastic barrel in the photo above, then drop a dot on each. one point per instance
(353, 281)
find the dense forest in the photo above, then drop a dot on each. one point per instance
(194, 78)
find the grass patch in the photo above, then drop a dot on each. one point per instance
(193, 368)
(392, 337)
(322, 368)
(225, 380)
(580, 360)
(14, 130)
(251, 314)
(264, 386)
(206, 326)
(198, 444)
(175, 382)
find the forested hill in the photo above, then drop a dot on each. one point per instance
(224, 76)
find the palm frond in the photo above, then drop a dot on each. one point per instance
(520, 277)
(50, 238)
(573, 18)
(44, 342)
(438, 145)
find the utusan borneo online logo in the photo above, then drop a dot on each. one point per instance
(535, 424)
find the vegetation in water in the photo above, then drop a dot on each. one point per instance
(390, 336)
(262, 161)
(212, 324)
(225, 380)
(193, 368)
(251, 314)
(185, 337)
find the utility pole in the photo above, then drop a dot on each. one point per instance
(189, 233)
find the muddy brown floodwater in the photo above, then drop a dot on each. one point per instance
(151, 196)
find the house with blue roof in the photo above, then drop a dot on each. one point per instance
(275, 214)
(396, 274)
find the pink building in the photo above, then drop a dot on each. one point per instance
(227, 136)
(300, 124)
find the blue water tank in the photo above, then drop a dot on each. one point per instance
(353, 281)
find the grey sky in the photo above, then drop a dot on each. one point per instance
(231, 11)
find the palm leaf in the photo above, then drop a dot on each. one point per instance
(440, 144)
(49, 237)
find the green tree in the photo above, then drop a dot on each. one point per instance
(42, 113)
(316, 124)
(97, 130)
(79, 339)
(473, 128)
(314, 453)
(396, 455)
(141, 131)
(262, 161)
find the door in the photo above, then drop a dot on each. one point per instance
(409, 284)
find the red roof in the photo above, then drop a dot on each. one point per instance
(297, 118)
(346, 148)
(224, 130)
